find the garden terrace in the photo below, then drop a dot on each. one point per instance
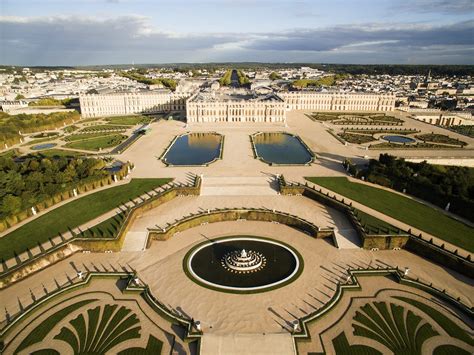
(249, 214)
(106, 236)
(440, 138)
(372, 131)
(128, 120)
(436, 184)
(464, 130)
(403, 209)
(84, 136)
(418, 145)
(98, 143)
(356, 119)
(398, 305)
(111, 316)
(356, 138)
(73, 214)
(104, 128)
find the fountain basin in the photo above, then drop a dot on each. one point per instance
(43, 146)
(398, 139)
(243, 264)
(280, 148)
(194, 149)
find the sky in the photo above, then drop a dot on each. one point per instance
(93, 32)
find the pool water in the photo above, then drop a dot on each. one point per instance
(205, 264)
(281, 148)
(194, 149)
(399, 139)
(43, 146)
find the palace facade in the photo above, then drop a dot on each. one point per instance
(225, 106)
(336, 101)
(214, 107)
(100, 105)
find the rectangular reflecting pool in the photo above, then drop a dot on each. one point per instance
(194, 149)
(281, 148)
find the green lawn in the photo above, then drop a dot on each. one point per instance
(98, 143)
(105, 229)
(11, 153)
(51, 153)
(129, 120)
(84, 136)
(404, 209)
(73, 214)
(103, 127)
(374, 225)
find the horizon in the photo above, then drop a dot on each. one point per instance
(94, 32)
(234, 62)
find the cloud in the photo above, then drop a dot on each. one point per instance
(436, 6)
(404, 35)
(72, 40)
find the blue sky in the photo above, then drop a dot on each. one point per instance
(77, 32)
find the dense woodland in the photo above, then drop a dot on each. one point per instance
(437, 184)
(324, 81)
(139, 76)
(35, 179)
(10, 125)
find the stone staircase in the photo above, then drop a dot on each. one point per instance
(238, 186)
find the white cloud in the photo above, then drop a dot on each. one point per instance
(71, 40)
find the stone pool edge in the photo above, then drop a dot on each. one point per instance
(256, 156)
(221, 151)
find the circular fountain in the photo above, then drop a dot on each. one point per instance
(242, 264)
(243, 261)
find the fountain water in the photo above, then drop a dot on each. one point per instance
(242, 261)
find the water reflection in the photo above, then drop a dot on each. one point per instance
(194, 149)
(281, 148)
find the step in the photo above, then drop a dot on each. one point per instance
(255, 344)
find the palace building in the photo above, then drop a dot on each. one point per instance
(248, 107)
(114, 104)
(231, 106)
(336, 101)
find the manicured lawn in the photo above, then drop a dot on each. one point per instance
(9, 153)
(73, 214)
(105, 229)
(129, 120)
(84, 136)
(374, 225)
(51, 153)
(404, 209)
(103, 127)
(98, 143)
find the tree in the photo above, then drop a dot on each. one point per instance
(10, 205)
(275, 76)
(19, 97)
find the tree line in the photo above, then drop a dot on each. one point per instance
(11, 125)
(324, 81)
(141, 78)
(437, 184)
